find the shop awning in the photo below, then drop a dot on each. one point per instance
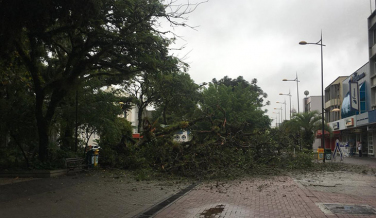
(137, 136)
(319, 133)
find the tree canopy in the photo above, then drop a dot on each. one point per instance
(306, 124)
(60, 44)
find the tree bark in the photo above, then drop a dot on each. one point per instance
(139, 117)
(43, 140)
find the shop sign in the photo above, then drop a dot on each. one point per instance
(362, 119)
(355, 77)
(349, 122)
(335, 125)
(354, 96)
(372, 116)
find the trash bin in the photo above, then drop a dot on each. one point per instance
(92, 157)
(320, 153)
(328, 154)
(95, 158)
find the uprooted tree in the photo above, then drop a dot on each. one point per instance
(229, 131)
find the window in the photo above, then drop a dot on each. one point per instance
(362, 97)
(346, 110)
(370, 143)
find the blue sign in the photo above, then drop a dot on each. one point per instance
(372, 116)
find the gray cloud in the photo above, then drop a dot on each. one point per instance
(259, 39)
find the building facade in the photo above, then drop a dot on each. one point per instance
(333, 99)
(312, 103)
(355, 106)
(350, 104)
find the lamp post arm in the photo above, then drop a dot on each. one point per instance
(312, 43)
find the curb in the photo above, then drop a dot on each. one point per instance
(33, 173)
(156, 208)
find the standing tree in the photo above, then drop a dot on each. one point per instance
(178, 97)
(142, 88)
(306, 124)
(235, 112)
(17, 126)
(237, 102)
(62, 43)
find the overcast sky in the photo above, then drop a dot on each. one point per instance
(259, 39)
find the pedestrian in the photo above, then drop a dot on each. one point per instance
(360, 148)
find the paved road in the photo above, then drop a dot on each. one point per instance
(116, 194)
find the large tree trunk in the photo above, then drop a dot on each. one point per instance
(139, 117)
(43, 140)
(42, 125)
(67, 139)
(44, 121)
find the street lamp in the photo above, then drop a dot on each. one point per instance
(297, 87)
(285, 107)
(276, 120)
(322, 89)
(290, 100)
(281, 113)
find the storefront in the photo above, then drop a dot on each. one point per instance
(371, 129)
(354, 129)
(327, 143)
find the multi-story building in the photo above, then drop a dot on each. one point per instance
(355, 96)
(372, 55)
(333, 99)
(312, 103)
(352, 128)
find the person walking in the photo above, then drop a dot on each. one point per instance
(360, 148)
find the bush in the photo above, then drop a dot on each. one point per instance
(301, 160)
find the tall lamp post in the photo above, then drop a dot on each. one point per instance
(276, 120)
(322, 90)
(290, 100)
(281, 113)
(285, 107)
(297, 87)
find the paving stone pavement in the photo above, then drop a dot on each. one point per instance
(279, 196)
(303, 195)
(116, 194)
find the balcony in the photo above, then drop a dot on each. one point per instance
(332, 102)
(372, 52)
(372, 21)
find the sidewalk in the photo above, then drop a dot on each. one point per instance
(369, 161)
(273, 197)
(116, 194)
(323, 194)
(94, 194)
